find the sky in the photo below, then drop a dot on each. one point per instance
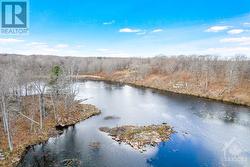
(141, 28)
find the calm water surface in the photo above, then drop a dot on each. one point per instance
(208, 134)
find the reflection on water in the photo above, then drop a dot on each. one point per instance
(209, 133)
(177, 153)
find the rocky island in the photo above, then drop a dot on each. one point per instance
(139, 137)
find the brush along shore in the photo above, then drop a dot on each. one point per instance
(26, 133)
(178, 84)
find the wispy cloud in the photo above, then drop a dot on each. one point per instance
(130, 30)
(142, 32)
(10, 40)
(217, 28)
(235, 31)
(80, 46)
(239, 40)
(109, 22)
(34, 44)
(62, 46)
(229, 50)
(157, 30)
(246, 24)
(102, 50)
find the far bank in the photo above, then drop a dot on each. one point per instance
(238, 96)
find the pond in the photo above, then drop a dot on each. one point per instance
(209, 133)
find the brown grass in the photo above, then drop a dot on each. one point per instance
(217, 88)
(22, 134)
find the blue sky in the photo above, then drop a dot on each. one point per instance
(134, 28)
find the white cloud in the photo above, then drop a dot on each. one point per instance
(217, 28)
(240, 40)
(129, 30)
(34, 44)
(157, 30)
(235, 31)
(109, 22)
(50, 50)
(229, 50)
(246, 24)
(10, 40)
(142, 32)
(62, 46)
(102, 50)
(80, 46)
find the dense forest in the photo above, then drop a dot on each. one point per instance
(201, 72)
(204, 70)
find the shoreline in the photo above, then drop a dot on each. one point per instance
(51, 130)
(58, 129)
(137, 85)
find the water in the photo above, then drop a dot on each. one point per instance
(209, 133)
